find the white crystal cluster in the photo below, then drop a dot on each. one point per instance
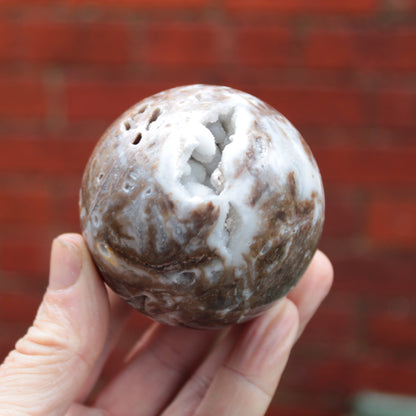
(199, 153)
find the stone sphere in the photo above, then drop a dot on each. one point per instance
(201, 206)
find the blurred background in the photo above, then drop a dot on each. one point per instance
(344, 72)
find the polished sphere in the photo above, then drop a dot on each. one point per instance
(201, 206)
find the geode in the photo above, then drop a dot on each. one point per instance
(201, 206)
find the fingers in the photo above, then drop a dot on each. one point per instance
(241, 372)
(163, 360)
(51, 363)
(312, 288)
(194, 390)
(245, 382)
(307, 296)
(240, 375)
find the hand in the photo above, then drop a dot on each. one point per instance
(171, 371)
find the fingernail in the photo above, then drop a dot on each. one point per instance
(65, 265)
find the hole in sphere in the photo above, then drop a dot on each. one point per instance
(137, 139)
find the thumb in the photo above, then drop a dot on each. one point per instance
(48, 367)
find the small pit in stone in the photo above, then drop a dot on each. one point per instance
(142, 109)
(154, 117)
(127, 186)
(148, 191)
(127, 125)
(137, 139)
(140, 301)
(187, 278)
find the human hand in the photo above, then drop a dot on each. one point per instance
(171, 371)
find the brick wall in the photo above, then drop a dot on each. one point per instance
(343, 71)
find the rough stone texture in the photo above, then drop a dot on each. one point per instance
(201, 205)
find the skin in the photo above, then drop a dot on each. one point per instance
(170, 371)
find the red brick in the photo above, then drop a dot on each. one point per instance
(7, 40)
(21, 97)
(388, 49)
(13, 4)
(140, 4)
(397, 108)
(311, 375)
(402, 5)
(182, 44)
(330, 49)
(356, 165)
(393, 222)
(394, 331)
(309, 106)
(345, 205)
(302, 6)
(18, 306)
(25, 205)
(9, 334)
(264, 46)
(333, 329)
(315, 106)
(28, 256)
(49, 156)
(376, 277)
(385, 49)
(69, 209)
(106, 100)
(383, 374)
(345, 376)
(7, 342)
(63, 42)
(20, 3)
